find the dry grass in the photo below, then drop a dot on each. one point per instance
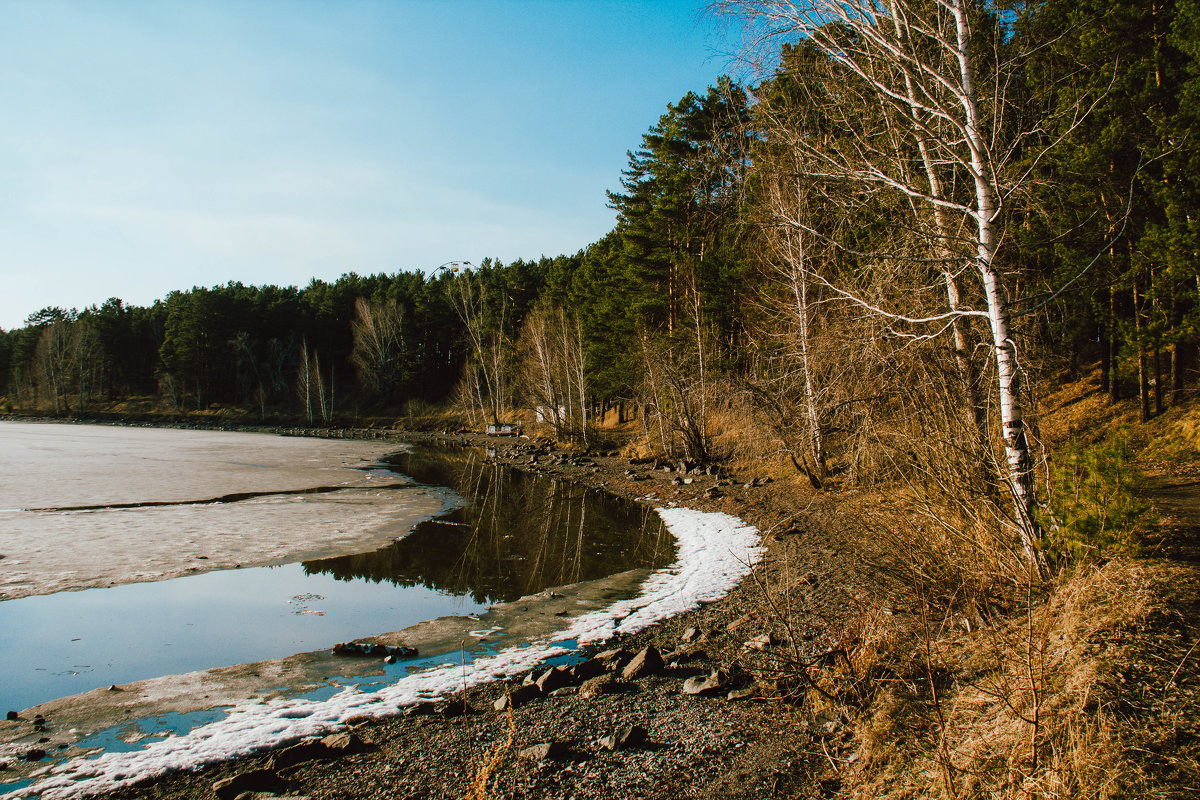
(1038, 704)
(1078, 410)
(478, 788)
(1088, 687)
(991, 687)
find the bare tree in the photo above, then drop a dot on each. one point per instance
(672, 378)
(555, 371)
(924, 83)
(543, 369)
(304, 382)
(310, 385)
(55, 357)
(88, 359)
(488, 363)
(379, 345)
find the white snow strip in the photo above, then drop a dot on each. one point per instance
(715, 552)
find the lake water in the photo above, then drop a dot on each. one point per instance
(295, 544)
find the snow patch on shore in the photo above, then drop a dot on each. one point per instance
(715, 552)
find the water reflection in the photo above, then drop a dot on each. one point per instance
(520, 533)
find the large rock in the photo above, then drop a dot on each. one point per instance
(745, 693)
(716, 682)
(517, 697)
(343, 744)
(687, 655)
(629, 736)
(422, 709)
(648, 662)
(549, 751)
(256, 780)
(585, 670)
(614, 660)
(553, 678)
(298, 754)
(601, 684)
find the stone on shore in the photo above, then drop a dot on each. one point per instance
(629, 736)
(586, 670)
(298, 754)
(516, 697)
(709, 685)
(553, 678)
(256, 780)
(343, 744)
(549, 751)
(647, 662)
(607, 683)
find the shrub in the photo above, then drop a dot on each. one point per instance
(1093, 511)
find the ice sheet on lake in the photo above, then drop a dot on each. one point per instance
(715, 552)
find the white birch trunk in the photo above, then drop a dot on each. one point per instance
(580, 377)
(1016, 445)
(800, 293)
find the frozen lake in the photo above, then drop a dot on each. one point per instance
(186, 550)
(70, 516)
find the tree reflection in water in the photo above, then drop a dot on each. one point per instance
(518, 534)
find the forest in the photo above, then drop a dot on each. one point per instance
(871, 263)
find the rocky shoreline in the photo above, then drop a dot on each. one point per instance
(696, 706)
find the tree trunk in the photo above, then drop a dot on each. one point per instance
(1177, 369)
(1158, 381)
(1143, 376)
(796, 256)
(1114, 380)
(1016, 444)
(1105, 362)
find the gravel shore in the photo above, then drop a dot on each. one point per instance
(745, 735)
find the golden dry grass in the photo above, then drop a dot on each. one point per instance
(1040, 703)
(479, 786)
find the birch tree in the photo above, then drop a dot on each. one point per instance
(789, 266)
(929, 129)
(310, 385)
(486, 333)
(379, 351)
(555, 369)
(55, 359)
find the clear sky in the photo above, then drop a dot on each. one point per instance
(151, 146)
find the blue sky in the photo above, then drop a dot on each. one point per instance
(151, 146)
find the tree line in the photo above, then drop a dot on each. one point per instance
(872, 258)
